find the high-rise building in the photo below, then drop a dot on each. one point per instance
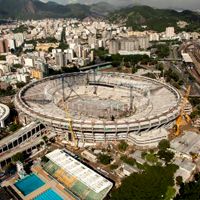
(19, 39)
(170, 32)
(154, 37)
(1, 46)
(61, 59)
(114, 46)
(4, 46)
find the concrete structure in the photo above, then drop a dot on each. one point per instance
(186, 168)
(186, 58)
(113, 47)
(4, 46)
(89, 156)
(186, 144)
(170, 32)
(25, 139)
(4, 113)
(77, 177)
(128, 169)
(103, 106)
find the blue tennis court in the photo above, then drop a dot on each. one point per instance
(48, 195)
(29, 184)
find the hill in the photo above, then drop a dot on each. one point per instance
(102, 8)
(35, 9)
(155, 19)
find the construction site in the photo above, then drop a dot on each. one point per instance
(95, 107)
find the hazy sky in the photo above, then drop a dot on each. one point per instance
(186, 4)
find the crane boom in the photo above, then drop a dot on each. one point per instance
(183, 118)
(68, 117)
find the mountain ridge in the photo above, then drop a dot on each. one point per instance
(131, 16)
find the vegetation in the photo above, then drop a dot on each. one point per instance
(46, 139)
(17, 66)
(179, 180)
(196, 107)
(162, 50)
(155, 19)
(14, 127)
(47, 40)
(189, 191)
(164, 144)
(104, 159)
(154, 183)
(10, 168)
(114, 166)
(2, 57)
(44, 159)
(166, 155)
(19, 157)
(101, 53)
(20, 84)
(7, 92)
(128, 160)
(128, 60)
(63, 46)
(63, 70)
(172, 77)
(122, 146)
(25, 9)
(195, 101)
(20, 29)
(151, 157)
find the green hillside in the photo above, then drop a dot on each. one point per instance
(155, 19)
(26, 9)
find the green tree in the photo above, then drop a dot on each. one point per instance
(17, 66)
(190, 190)
(20, 84)
(151, 184)
(113, 167)
(122, 146)
(2, 57)
(128, 160)
(179, 180)
(18, 157)
(45, 138)
(14, 127)
(166, 155)
(164, 144)
(104, 159)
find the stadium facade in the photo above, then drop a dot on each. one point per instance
(101, 106)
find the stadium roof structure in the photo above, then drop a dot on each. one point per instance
(84, 174)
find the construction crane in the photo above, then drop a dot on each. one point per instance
(183, 118)
(68, 117)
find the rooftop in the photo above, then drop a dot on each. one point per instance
(187, 143)
(85, 175)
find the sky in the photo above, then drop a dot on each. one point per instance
(185, 4)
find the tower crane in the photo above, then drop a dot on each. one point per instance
(183, 119)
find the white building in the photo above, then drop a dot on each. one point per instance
(170, 32)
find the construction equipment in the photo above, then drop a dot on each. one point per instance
(68, 117)
(183, 118)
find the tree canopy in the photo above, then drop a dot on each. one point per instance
(164, 144)
(152, 184)
(190, 191)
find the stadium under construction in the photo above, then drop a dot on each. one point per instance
(95, 106)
